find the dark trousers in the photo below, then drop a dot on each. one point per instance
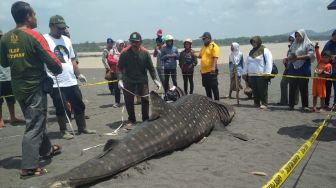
(35, 141)
(172, 73)
(210, 83)
(329, 85)
(6, 91)
(302, 85)
(141, 89)
(161, 75)
(188, 77)
(114, 86)
(260, 89)
(284, 91)
(71, 95)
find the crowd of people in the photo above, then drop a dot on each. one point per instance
(34, 65)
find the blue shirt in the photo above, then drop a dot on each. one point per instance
(169, 62)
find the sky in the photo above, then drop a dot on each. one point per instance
(96, 20)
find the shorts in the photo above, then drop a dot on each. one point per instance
(6, 91)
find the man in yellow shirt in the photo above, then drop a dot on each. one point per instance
(209, 56)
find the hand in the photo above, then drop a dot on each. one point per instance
(121, 84)
(158, 84)
(82, 78)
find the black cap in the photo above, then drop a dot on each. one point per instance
(109, 40)
(135, 36)
(206, 35)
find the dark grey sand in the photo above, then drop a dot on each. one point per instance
(220, 161)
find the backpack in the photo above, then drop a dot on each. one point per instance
(274, 68)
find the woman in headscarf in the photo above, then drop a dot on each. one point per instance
(236, 66)
(285, 80)
(299, 59)
(259, 60)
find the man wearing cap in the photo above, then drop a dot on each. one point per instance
(134, 62)
(65, 88)
(209, 56)
(26, 52)
(331, 46)
(6, 91)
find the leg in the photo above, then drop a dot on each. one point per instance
(328, 92)
(293, 86)
(59, 106)
(35, 139)
(185, 83)
(2, 123)
(263, 90)
(173, 75)
(129, 101)
(166, 80)
(116, 89)
(144, 90)
(304, 92)
(215, 92)
(254, 87)
(191, 81)
(284, 91)
(208, 91)
(334, 86)
(314, 103)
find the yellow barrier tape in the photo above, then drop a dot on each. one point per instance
(290, 76)
(280, 177)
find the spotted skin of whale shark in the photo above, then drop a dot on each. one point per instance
(172, 126)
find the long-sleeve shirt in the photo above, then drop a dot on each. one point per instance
(134, 66)
(169, 62)
(26, 52)
(258, 64)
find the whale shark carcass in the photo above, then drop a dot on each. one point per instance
(172, 126)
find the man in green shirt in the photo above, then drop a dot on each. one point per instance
(26, 52)
(133, 64)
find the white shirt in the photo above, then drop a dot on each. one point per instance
(63, 49)
(258, 65)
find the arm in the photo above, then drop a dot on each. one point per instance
(150, 66)
(75, 67)
(318, 54)
(215, 53)
(3, 58)
(156, 51)
(194, 58)
(104, 59)
(269, 61)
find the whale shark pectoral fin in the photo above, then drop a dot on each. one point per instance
(109, 144)
(226, 112)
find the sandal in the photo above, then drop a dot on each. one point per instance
(29, 173)
(54, 150)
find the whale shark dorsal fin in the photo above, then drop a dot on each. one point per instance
(158, 105)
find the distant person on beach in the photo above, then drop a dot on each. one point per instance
(113, 60)
(301, 55)
(259, 60)
(107, 59)
(26, 52)
(187, 62)
(6, 93)
(285, 80)
(331, 47)
(66, 94)
(159, 62)
(134, 62)
(236, 66)
(209, 55)
(322, 70)
(169, 56)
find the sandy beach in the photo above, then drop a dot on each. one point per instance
(222, 160)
